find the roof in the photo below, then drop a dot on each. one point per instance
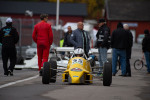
(19, 7)
(129, 10)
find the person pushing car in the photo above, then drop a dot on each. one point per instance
(43, 36)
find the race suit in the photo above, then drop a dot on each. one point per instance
(43, 36)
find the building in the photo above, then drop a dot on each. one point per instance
(135, 13)
(69, 12)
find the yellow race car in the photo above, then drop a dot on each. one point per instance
(78, 70)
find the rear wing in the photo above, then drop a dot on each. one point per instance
(71, 49)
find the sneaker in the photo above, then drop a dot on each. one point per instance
(10, 72)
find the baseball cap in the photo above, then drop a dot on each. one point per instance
(101, 20)
(8, 20)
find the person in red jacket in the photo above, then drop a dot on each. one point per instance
(43, 36)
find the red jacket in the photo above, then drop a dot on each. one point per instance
(42, 34)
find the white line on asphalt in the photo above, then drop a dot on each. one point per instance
(19, 81)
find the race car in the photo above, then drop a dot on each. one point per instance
(78, 70)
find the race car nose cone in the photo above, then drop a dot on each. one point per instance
(75, 77)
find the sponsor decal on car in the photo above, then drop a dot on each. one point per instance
(76, 69)
(78, 61)
(75, 76)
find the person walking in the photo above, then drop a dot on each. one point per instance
(103, 43)
(43, 36)
(128, 50)
(119, 43)
(9, 37)
(146, 49)
(67, 38)
(80, 39)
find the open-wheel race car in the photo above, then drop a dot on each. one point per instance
(78, 70)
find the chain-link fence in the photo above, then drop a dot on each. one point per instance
(25, 29)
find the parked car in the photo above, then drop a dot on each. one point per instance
(140, 38)
(32, 50)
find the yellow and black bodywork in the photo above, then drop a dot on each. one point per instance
(78, 71)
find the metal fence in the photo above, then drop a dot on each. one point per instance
(25, 29)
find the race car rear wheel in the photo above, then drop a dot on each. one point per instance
(46, 73)
(53, 71)
(107, 74)
(55, 59)
(92, 63)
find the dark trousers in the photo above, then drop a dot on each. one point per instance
(8, 53)
(128, 57)
(128, 68)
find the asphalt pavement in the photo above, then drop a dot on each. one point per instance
(136, 87)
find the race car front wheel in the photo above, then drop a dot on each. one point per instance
(107, 74)
(46, 73)
(53, 71)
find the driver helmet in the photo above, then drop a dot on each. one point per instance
(79, 52)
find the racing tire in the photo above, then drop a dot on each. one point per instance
(46, 73)
(53, 71)
(19, 60)
(107, 74)
(54, 59)
(138, 64)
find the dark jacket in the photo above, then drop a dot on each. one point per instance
(77, 39)
(103, 37)
(146, 43)
(130, 44)
(8, 37)
(67, 42)
(119, 38)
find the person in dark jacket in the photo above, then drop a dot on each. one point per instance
(67, 38)
(128, 50)
(103, 43)
(80, 39)
(9, 37)
(146, 49)
(119, 43)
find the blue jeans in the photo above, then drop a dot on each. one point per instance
(122, 55)
(147, 57)
(102, 58)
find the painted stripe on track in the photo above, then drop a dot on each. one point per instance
(19, 81)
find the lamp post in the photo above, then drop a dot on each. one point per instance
(57, 14)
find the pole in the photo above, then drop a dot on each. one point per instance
(57, 14)
(20, 35)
